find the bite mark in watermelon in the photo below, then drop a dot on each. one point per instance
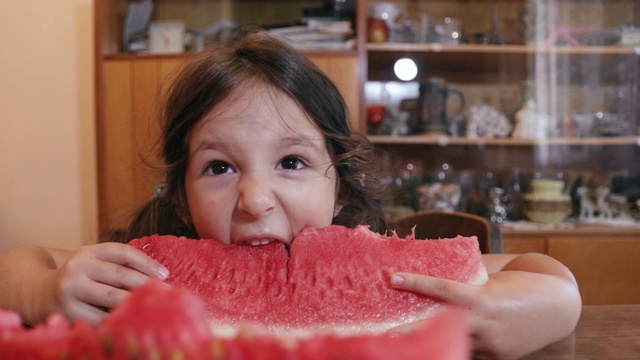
(333, 280)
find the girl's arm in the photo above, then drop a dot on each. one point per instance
(38, 281)
(530, 301)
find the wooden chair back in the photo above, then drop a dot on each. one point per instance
(438, 224)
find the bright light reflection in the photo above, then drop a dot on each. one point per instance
(405, 69)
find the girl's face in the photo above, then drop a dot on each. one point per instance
(259, 171)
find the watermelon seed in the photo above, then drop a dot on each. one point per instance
(216, 349)
(133, 349)
(108, 346)
(177, 355)
(155, 355)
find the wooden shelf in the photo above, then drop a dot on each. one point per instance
(505, 49)
(444, 140)
(493, 63)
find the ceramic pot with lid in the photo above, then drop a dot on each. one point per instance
(546, 203)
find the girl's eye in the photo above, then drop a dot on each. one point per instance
(292, 163)
(217, 168)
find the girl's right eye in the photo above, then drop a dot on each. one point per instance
(217, 168)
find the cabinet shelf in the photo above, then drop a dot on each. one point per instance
(504, 49)
(444, 140)
(493, 63)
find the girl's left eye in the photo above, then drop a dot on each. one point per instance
(217, 168)
(292, 163)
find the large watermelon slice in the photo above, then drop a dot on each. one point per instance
(332, 280)
(160, 322)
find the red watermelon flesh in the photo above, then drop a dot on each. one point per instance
(158, 322)
(333, 280)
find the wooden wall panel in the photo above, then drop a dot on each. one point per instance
(146, 92)
(116, 186)
(343, 72)
(133, 99)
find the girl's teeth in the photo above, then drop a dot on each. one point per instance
(259, 242)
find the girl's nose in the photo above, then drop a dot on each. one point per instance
(256, 197)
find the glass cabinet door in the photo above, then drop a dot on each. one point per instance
(521, 111)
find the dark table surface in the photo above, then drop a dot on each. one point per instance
(603, 332)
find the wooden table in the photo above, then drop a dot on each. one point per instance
(603, 332)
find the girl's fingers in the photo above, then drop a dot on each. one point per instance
(407, 328)
(101, 295)
(88, 312)
(116, 275)
(131, 257)
(447, 290)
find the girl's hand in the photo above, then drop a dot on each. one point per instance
(96, 278)
(513, 314)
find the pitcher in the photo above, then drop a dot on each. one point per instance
(432, 104)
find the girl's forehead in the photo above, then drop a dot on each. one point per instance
(265, 105)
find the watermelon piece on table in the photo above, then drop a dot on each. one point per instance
(156, 319)
(160, 322)
(45, 341)
(332, 280)
(10, 323)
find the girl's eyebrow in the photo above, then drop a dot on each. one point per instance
(284, 143)
(210, 145)
(300, 141)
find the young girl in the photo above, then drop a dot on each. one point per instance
(257, 146)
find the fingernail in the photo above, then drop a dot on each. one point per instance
(394, 334)
(397, 280)
(164, 273)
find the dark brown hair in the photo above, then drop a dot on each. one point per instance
(209, 78)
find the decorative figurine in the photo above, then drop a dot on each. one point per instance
(486, 122)
(604, 212)
(587, 206)
(530, 124)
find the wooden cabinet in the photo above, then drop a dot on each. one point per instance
(604, 262)
(606, 268)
